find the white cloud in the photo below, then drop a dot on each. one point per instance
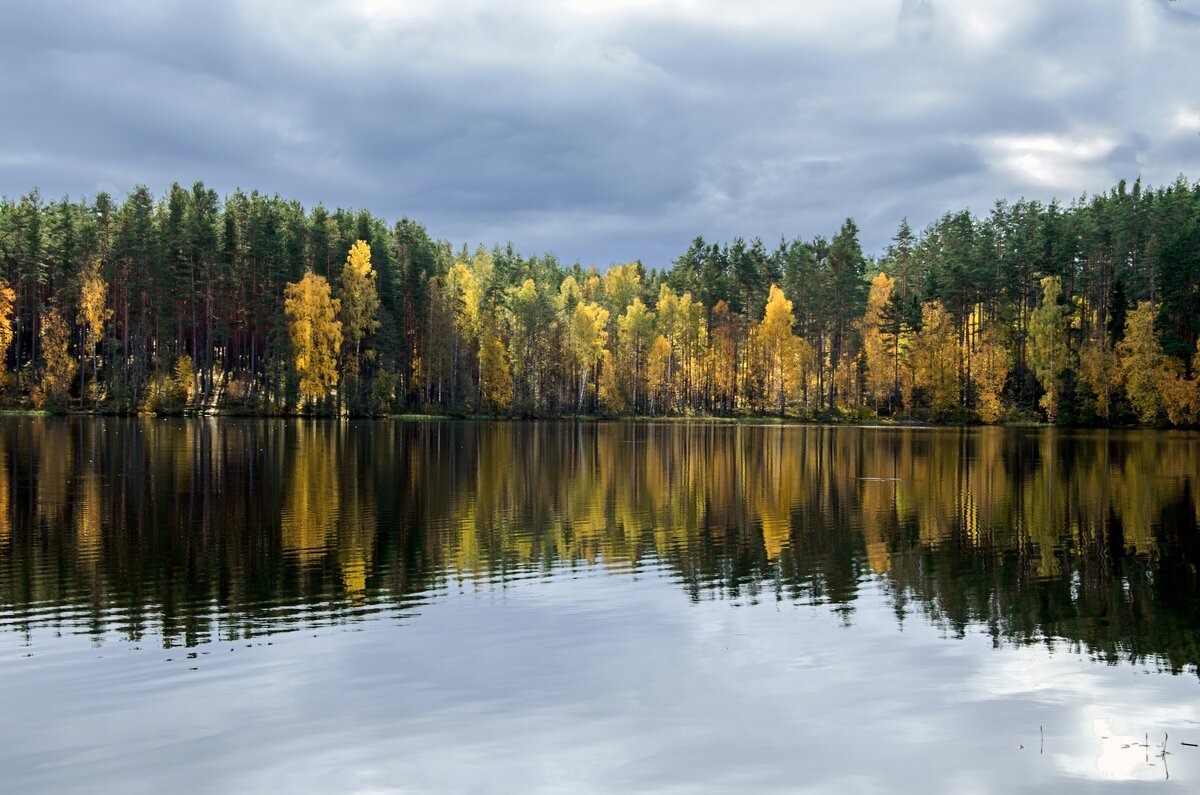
(1056, 162)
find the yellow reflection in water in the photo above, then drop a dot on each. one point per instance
(311, 507)
(5, 507)
(88, 517)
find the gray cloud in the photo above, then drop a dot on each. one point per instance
(605, 135)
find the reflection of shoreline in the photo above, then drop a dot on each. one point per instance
(1030, 533)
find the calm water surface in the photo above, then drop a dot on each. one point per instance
(217, 605)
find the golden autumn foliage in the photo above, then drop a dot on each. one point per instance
(688, 343)
(658, 363)
(621, 286)
(315, 333)
(142, 281)
(358, 296)
(1100, 374)
(93, 314)
(60, 366)
(7, 296)
(184, 381)
(932, 358)
(668, 322)
(569, 296)
(465, 285)
(494, 372)
(847, 382)
(777, 344)
(1180, 395)
(610, 390)
(588, 335)
(1049, 351)
(990, 365)
(1141, 357)
(878, 346)
(635, 333)
(798, 374)
(721, 358)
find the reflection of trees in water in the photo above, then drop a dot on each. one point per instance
(310, 510)
(196, 528)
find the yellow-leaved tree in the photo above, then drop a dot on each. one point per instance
(183, 381)
(668, 323)
(879, 346)
(621, 284)
(1141, 357)
(359, 298)
(589, 332)
(7, 296)
(466, 285)
(658, 364)
(635, 333)
(93, 314)
(990, 363)
(610, 391)
(933, 358)
(1049, 352)
(495, 376)
(315, 333)
(720, 360)
(1180, 394)
(775, 336)
(798, 372)
(691, 333)
(1100, 373)
(59, 364)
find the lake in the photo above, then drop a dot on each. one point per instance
(215, 605)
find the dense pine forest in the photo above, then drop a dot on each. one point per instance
(1085, 313)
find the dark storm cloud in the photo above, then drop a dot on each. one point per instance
(605, 132)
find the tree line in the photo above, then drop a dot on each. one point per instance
(1082, 313)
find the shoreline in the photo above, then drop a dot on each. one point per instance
(698, 419)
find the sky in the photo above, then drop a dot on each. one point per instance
(605, 132)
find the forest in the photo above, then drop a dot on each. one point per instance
(1079, 313)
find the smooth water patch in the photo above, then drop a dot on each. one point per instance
(217, 605)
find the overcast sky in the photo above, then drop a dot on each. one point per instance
(605, 132)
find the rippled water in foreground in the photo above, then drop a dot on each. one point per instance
(219, 605)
